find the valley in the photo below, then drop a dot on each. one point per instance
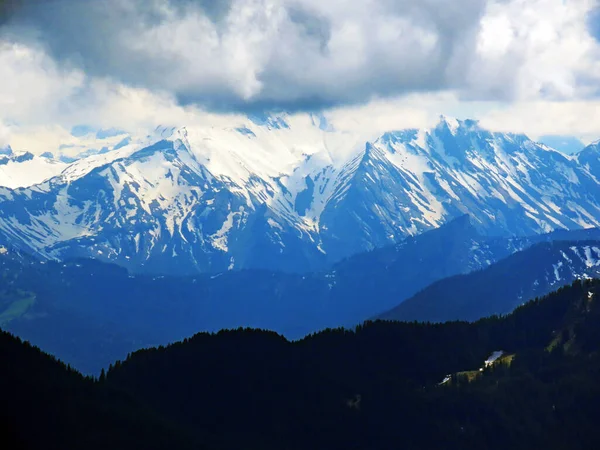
(451, 273)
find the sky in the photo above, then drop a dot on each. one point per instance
(528, 66)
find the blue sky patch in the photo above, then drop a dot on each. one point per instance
(594, 23)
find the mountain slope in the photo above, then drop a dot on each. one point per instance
(503, 286)
(589, 158)
(285, 193)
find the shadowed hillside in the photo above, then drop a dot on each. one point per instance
(373, 387)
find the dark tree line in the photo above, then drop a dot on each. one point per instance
(374, 387)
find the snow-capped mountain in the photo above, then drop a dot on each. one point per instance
(589, 158)
(24, 169)
(86, 141)
(292, 193)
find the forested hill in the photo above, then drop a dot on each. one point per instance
(376, 387)
(47, 405)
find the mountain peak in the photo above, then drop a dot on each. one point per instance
(594, 145)
(451, 123)
(592, 149)
(16, 157)
(271, 120)
(590, 157)
(454, 125)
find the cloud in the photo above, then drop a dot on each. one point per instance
(239, 55)
(537, 49)
(538, 118)
(374, 65)
(4, 135)
(33, 87)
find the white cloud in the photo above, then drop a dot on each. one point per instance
(4, 135)
(33, 87)
(40, 101)
(379, 116)
(518, 65)
(577, 118)
(533, 49)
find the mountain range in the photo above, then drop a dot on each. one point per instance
(111, 259)
(288, 193)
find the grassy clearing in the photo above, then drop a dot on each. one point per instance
(18, 304)
(470, 375)
(506, 360)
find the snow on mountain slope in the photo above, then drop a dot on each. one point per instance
(413, 180)
(290, 193)
(21, 170)
(274, 163)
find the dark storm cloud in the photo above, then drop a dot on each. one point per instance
(314, 26)
(265, 54)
